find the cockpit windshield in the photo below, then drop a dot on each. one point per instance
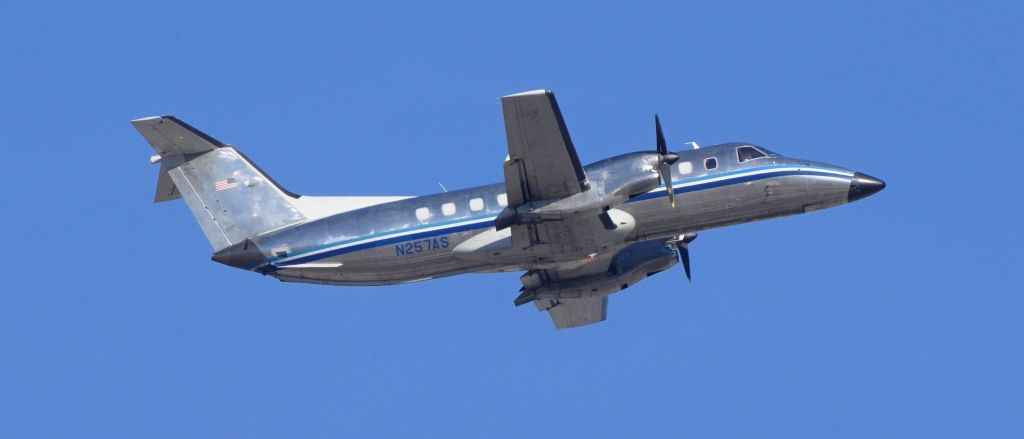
(750, 152)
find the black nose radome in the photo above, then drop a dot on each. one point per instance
(863, 185)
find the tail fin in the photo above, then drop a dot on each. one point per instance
(230, 197)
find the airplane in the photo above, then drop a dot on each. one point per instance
(580, 233)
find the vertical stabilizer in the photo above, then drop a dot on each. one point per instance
(230, 197)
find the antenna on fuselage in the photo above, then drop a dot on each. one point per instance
(442, 186)
(695, 145)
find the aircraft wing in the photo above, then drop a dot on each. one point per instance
(569, 313)
(577, 295)
(542, 162)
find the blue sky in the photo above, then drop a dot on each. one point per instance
(896, 316)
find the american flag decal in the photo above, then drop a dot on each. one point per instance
(223, 185)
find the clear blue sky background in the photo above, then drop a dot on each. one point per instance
(896, 316)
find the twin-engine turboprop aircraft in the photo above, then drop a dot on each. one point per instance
(581, 233)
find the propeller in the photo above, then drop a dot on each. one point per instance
(681, 245)
(665, 161)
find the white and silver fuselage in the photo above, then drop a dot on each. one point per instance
(417, 238)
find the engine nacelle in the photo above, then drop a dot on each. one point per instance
(496, 246)
(611, 184)
(633, 264)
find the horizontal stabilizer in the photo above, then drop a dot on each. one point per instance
(170, 136)
(173, 140)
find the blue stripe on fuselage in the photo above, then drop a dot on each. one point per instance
(386, 241)
(459, 225)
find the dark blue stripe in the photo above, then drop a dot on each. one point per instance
(727, 182)
(388, 233)
(393, 240)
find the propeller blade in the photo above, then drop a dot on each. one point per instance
(665, 160)
(662, 146)
(607, 221)
(665, 170)
(684, 255)
(683, 251)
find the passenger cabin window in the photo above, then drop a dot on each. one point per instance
(503, 200)
(685, 168)
(423, 213)
(710, 163)
(448, 209)
(748, 153)
(476, 204)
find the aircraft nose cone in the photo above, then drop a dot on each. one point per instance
(862, 186)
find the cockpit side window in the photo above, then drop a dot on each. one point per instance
(748, 153)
